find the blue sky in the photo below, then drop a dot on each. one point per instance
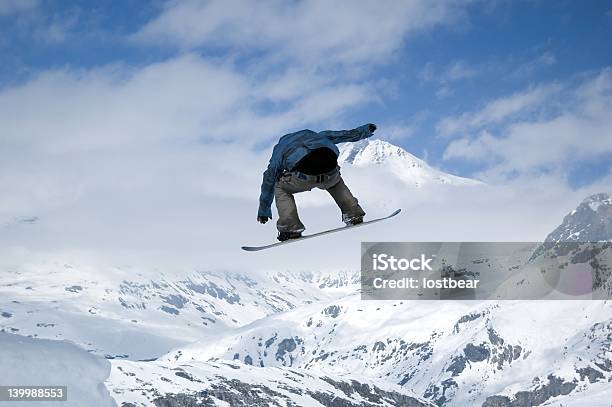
(483, 52)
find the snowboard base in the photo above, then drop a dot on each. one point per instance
(325, 232)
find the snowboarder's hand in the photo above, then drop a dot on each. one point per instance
(262, 219)
(372, 127)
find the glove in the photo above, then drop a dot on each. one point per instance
(372, 127)
(262, 219)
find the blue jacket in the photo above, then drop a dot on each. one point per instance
(291, 148)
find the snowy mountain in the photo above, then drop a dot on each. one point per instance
(122, 313)
(386, 157)
(306, 338)
(574, 260)
(487, 353)
(591, 221)
(224, 382)
(455, 354)
(584, 237)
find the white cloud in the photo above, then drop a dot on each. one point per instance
(499, 110)
(580, 129)
(404, 129)
(468, 148)
(459, 70)
(182, 99)
(453, 72)
(314, 32)
(545, 59)
(117, 106)
(154, 157)
(444, 91)
(444, 77)
(397, 132)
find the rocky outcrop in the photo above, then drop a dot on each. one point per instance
(553, 388)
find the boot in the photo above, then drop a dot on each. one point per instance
(352, 221)
(282, 236)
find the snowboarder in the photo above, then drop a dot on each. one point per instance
(300, 162)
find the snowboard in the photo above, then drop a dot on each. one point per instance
(325, 232)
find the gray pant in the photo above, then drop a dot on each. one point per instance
(289, 184)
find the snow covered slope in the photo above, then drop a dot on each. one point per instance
(235, 384)
(123, 313)
(306, 338)
(452, 353)
(385, 157)
(40, 362)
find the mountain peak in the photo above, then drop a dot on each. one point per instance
(591, 221)
(595, 202)
(383, 155)
(369, 151)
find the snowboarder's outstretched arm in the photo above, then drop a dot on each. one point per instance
(270, 176)
(344, 136)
